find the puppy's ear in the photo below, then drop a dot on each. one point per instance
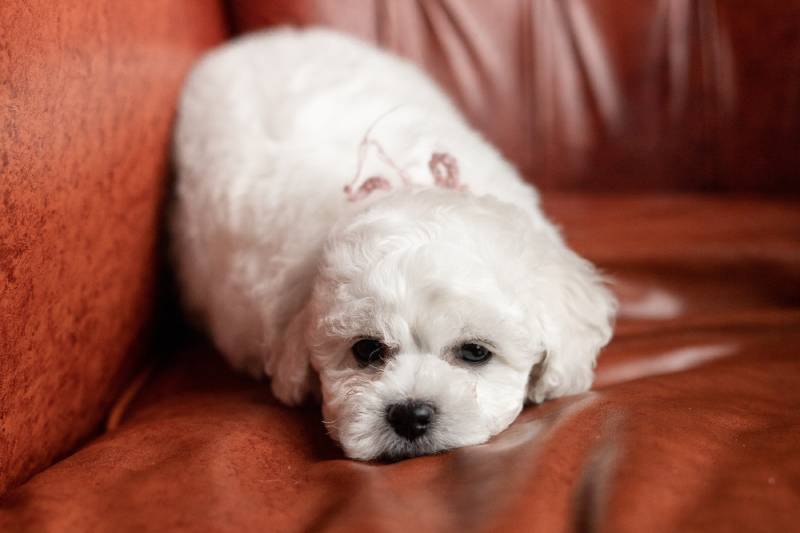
(289, 366)
(578, 320)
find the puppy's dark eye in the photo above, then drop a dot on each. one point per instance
(369, 351)
(473, 353)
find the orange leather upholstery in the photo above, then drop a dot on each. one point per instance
(635, 116)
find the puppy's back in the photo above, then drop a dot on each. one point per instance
(267, 136)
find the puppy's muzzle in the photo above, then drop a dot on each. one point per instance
(410, 419)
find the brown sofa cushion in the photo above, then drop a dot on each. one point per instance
(622, 94)
(87, 96)
(692, 425)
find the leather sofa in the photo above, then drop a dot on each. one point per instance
(665, 135)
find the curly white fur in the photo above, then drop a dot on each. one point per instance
(285, 271)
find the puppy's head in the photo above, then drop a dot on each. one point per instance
(436, 314)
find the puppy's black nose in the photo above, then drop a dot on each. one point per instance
(410, 419)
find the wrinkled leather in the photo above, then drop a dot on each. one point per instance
(692, 425)
(87, 91)
(601, 94)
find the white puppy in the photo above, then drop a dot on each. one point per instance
(339, 227)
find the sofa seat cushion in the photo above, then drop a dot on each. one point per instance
(692, 423)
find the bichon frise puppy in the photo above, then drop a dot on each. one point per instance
(339, 227)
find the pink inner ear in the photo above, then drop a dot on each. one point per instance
(444, 169)
(371, 184)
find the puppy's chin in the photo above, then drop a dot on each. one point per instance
(395, 448)
(408, 450)
(389, 447)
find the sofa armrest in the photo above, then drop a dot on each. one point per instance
(87, 93)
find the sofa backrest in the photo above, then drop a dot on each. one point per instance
(601, 95)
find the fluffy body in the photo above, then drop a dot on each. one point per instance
(285, 272)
